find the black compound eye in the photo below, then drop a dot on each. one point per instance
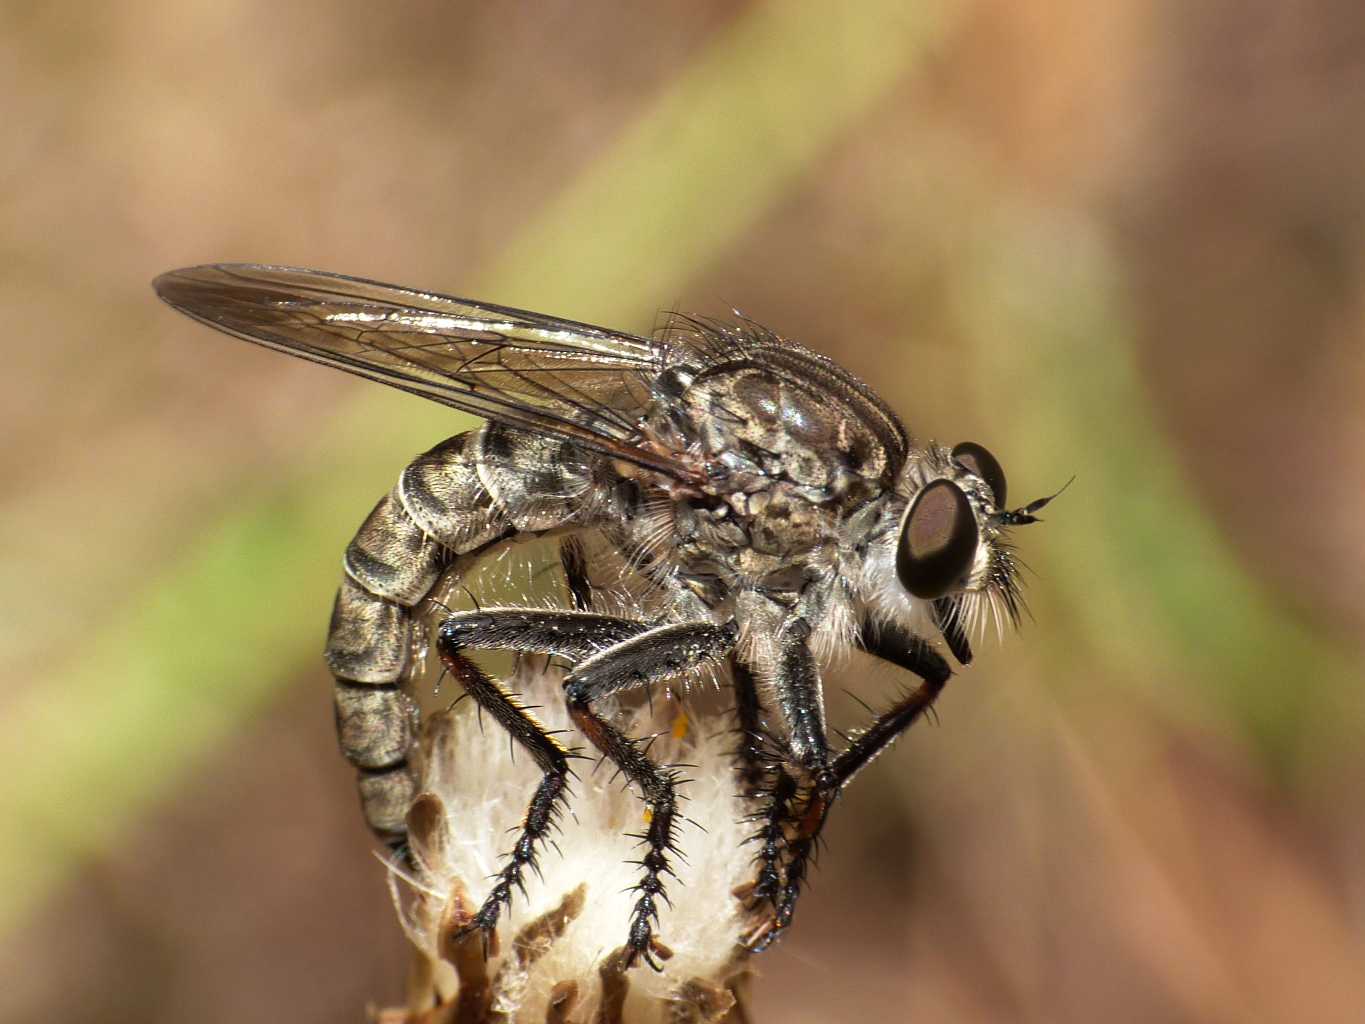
(985, 465)
(938, 541)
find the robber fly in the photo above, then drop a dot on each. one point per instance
(774, 507)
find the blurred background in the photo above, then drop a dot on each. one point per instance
(1124, 241)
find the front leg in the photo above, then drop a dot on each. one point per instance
(651, 657)
(903, 648)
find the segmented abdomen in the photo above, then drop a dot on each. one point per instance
(458, 499)
(438, 510)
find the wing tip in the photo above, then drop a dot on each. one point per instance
(170, 284)
(175, 285)
(205, 275)
(211, 287)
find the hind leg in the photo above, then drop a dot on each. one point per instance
(558, 633)
(651, 657)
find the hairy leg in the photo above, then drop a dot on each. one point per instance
(565, 633)
(651, 657)
(766, 781)
(611, 655)
(901, 648)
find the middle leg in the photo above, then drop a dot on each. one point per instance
(901, 648)
(767, 782)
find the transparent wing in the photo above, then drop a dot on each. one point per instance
(527, 370)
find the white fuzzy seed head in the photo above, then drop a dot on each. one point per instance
(559, 944)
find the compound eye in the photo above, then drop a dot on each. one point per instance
(938, 541)
(983, 464)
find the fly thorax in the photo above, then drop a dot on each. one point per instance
(760, 425)
(783, 521)
(770, 539)
(709, 539)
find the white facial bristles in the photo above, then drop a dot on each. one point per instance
(558, 953)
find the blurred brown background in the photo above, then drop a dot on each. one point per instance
(1124, 241)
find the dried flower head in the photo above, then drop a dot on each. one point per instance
(559, 953)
